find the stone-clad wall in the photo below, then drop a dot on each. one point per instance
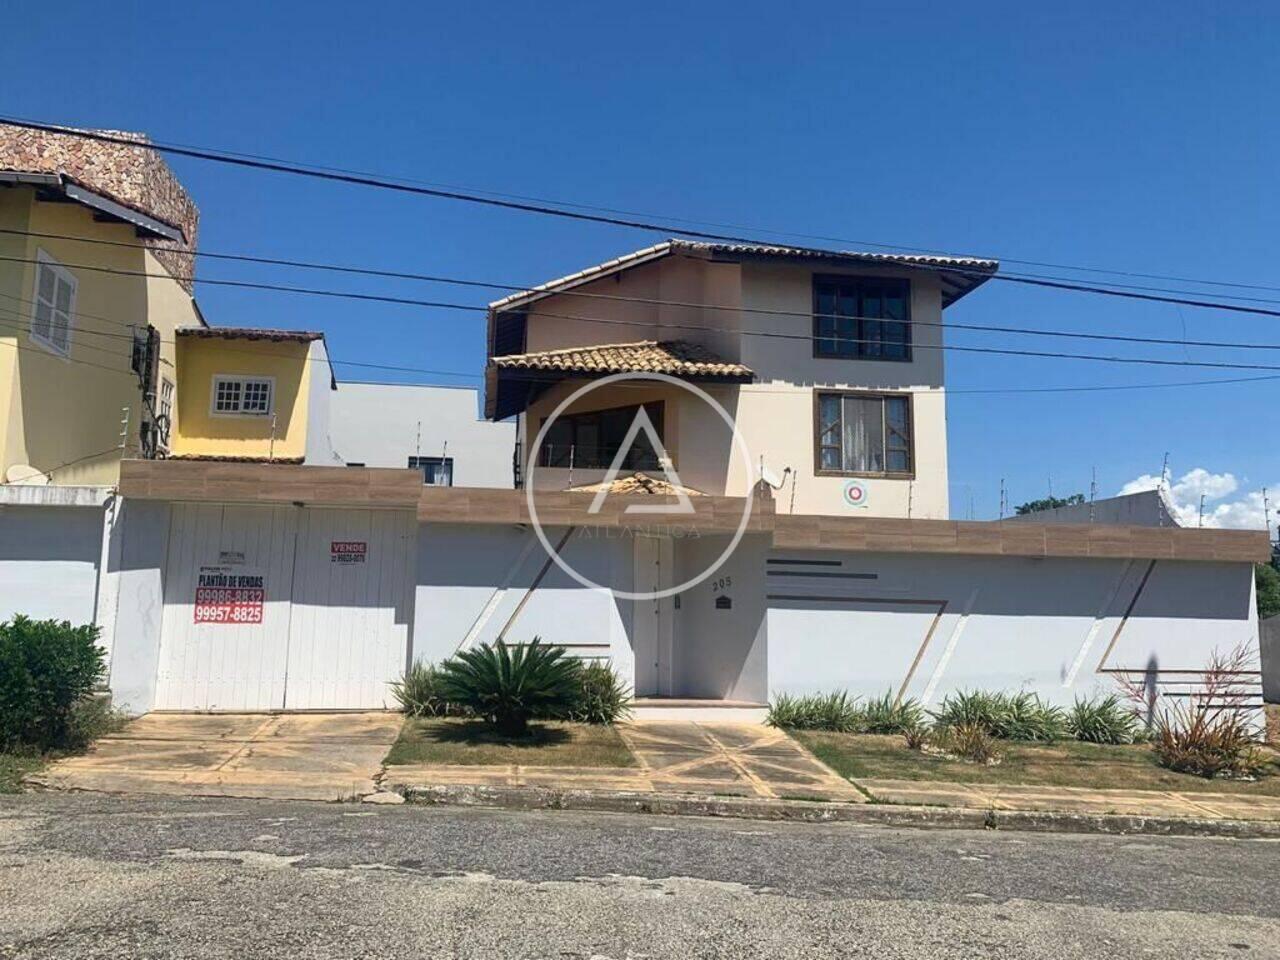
(133, 176)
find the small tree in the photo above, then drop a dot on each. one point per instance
(1049, 503)
(1267, 581)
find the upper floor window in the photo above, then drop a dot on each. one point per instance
(865, 433)
(164, 412)
(54, 305)
(592, 440)
(243, 396)
(862, 318)
(436, 471)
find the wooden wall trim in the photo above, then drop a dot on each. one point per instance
(205, 481)
(371, 487)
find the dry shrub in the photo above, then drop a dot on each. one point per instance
(968, 741)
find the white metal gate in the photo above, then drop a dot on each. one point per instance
(270, 608)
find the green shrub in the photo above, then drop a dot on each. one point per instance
(1018, 716)
(886, 715)
(1104, 720)
(816, 711)
(1027, 717)
(418, 692)
(46, 669)
(91, 718)
(602, 697)
(509, 685)
(974, 707)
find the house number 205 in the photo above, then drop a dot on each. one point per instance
(722, 583)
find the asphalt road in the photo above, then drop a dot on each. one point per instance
(85, 875)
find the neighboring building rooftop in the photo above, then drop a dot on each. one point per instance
(129, 184)
(261, 333)
(1149, 508)
(638, 484)
(677, 357)
(959, 275)
(507, 393)
(249, 333)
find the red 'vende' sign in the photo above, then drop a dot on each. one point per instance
(348, 551)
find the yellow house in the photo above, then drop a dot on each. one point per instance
(95, 278)
(253, 395)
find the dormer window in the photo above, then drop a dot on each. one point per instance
(861, 318)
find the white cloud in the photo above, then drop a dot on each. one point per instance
(1245, 511)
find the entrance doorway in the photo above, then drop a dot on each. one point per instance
(651, 626)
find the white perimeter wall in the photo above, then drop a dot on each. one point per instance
(1005, 623)
(49, 558)
(472, 581)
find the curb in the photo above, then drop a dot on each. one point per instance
(883, 814)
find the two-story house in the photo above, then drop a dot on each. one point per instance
(828, 363)
(95, 278)
(803, 545)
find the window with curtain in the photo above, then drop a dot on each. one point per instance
(865, 433)
(861, 318)
(436, 471)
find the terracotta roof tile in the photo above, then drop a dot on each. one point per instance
(961, 273)
(675, 357)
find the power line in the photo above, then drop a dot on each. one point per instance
(21, 325)
(448, 305)
(768, 334)
(432, 278)
(1088, 388)
(610, 216)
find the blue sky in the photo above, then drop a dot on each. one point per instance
(1093, 135)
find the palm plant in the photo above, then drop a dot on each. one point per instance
(508, 685)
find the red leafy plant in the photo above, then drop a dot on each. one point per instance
(1209, 732)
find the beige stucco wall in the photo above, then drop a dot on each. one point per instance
(775, 415)
(55, 409)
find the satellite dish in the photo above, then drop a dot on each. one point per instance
(25, 475)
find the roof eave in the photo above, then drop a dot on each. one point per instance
(104, 206)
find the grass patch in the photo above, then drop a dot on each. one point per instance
(451, 741)
(15, 766)
(1064, 764)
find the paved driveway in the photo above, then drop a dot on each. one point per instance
(672, 756)
(300, 756)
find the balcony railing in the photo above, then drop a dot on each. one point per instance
(589, 457)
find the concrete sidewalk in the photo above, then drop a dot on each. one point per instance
(680, 761)
(1139, 803)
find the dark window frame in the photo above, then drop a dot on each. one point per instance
(656, 411)
(862, 343)
(820, 471)
(421, 463)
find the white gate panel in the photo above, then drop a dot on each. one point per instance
(226, 665)
(349, 634)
